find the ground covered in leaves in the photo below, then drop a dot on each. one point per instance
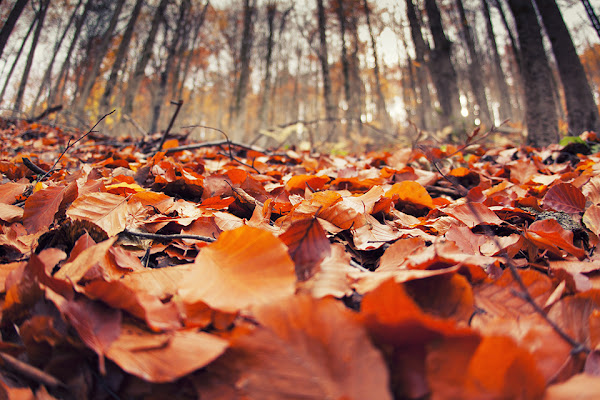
(225, 272)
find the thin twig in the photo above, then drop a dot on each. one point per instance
(215, 144)
(177, 105)
(160, 236)
(33, 167)
(30, 371)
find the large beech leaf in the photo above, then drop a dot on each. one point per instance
(549, 235)
(472, 214)
(41, 206)
(164, 357)
(243, 267)
(106, 210)
(306, 348)
(410, 192)
(564, 197)
(308, 245)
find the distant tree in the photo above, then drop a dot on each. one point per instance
(10, 22)
(582, 111)
(17, 57)
(41, 16)
(444, 78)
(262, 112)
(330, 108)
(540, 115)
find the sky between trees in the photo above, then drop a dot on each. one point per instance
(284, 72)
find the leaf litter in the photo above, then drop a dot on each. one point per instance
(240, 273)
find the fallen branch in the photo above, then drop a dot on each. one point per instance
(160, 236)
(34, 167)
(30, 372)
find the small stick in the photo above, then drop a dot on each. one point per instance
(177, 105)
(30, 371)
(33, 167)
(160, 236)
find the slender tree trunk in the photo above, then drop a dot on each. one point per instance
(48, 73)
(18, 56)
(381, 106)
(445, 78)
(271, 12)
(164, 75)
(330, 109)
(474, 65)
(540, 115)
(96, 59)
(34, 42)
(511, 37)
(582, 111)
(120, 57)
(499, 76)
(592, 15)
(421, 66)
(241, 88)
(10, 22)
(339, 9)
(63, 69)
(140, 67)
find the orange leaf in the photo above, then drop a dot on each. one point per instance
(310, 349)
(564, 197)
(164, 357)
(581, 387)
(473, 214)
(243, 267)
(550, 235)
(41, 206)
(591, 219)
(106, 210)
(410, 192)
(298, 183)
(307, 246)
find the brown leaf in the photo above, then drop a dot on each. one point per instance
(307, 246)
(580, 387)
(564, 197)
(41, 206)
(473, 214)
(106, 210)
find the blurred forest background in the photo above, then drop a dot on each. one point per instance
(288, 72)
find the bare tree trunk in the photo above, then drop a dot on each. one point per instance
(140, 67)
(18, 56)
(41, 15)
(499, 77)
(513, 42)
(445, 78)
(48, 73)
(120, 57)
(381, 107)
(271, 12)
(592, 15)
(330, 109)
(339, 9)
(96, 59)
(241, 89)
(540, 116)
(474, 65)
(582, 111)
(10, 22)
(164, 75)
(63, 69)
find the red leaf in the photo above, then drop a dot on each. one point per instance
(564, 197)
(40, 207)
(307, 245)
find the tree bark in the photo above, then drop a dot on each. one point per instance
(140, 67)
(424, 106)
(17, 57)
(381, 106)
(10, 22)
(330, 109)
(502, 89)
(582, 111)
(350, 118)
(540, 114)
(445, 78)
(41, 16)
(48, 73)
(474, 65)
(96, 59)
(120, 57)
(63, 69)
(271, 12)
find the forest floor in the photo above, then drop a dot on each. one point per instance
(222, 271)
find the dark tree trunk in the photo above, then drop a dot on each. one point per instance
(48, 73)
(140, 67)
(475, 70)
(582, 112)
(444, 78)
(271, 12)
(513, 42)
(10, 22)
(241, 89)
(499, 77)
(540, 114)
(350, 117)
(120, 57)
(63, 69)
(381, 106)
(41, 15)
(421, 49)
(95, 59)
(164, 75)
(18, 56)
(330, 109)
